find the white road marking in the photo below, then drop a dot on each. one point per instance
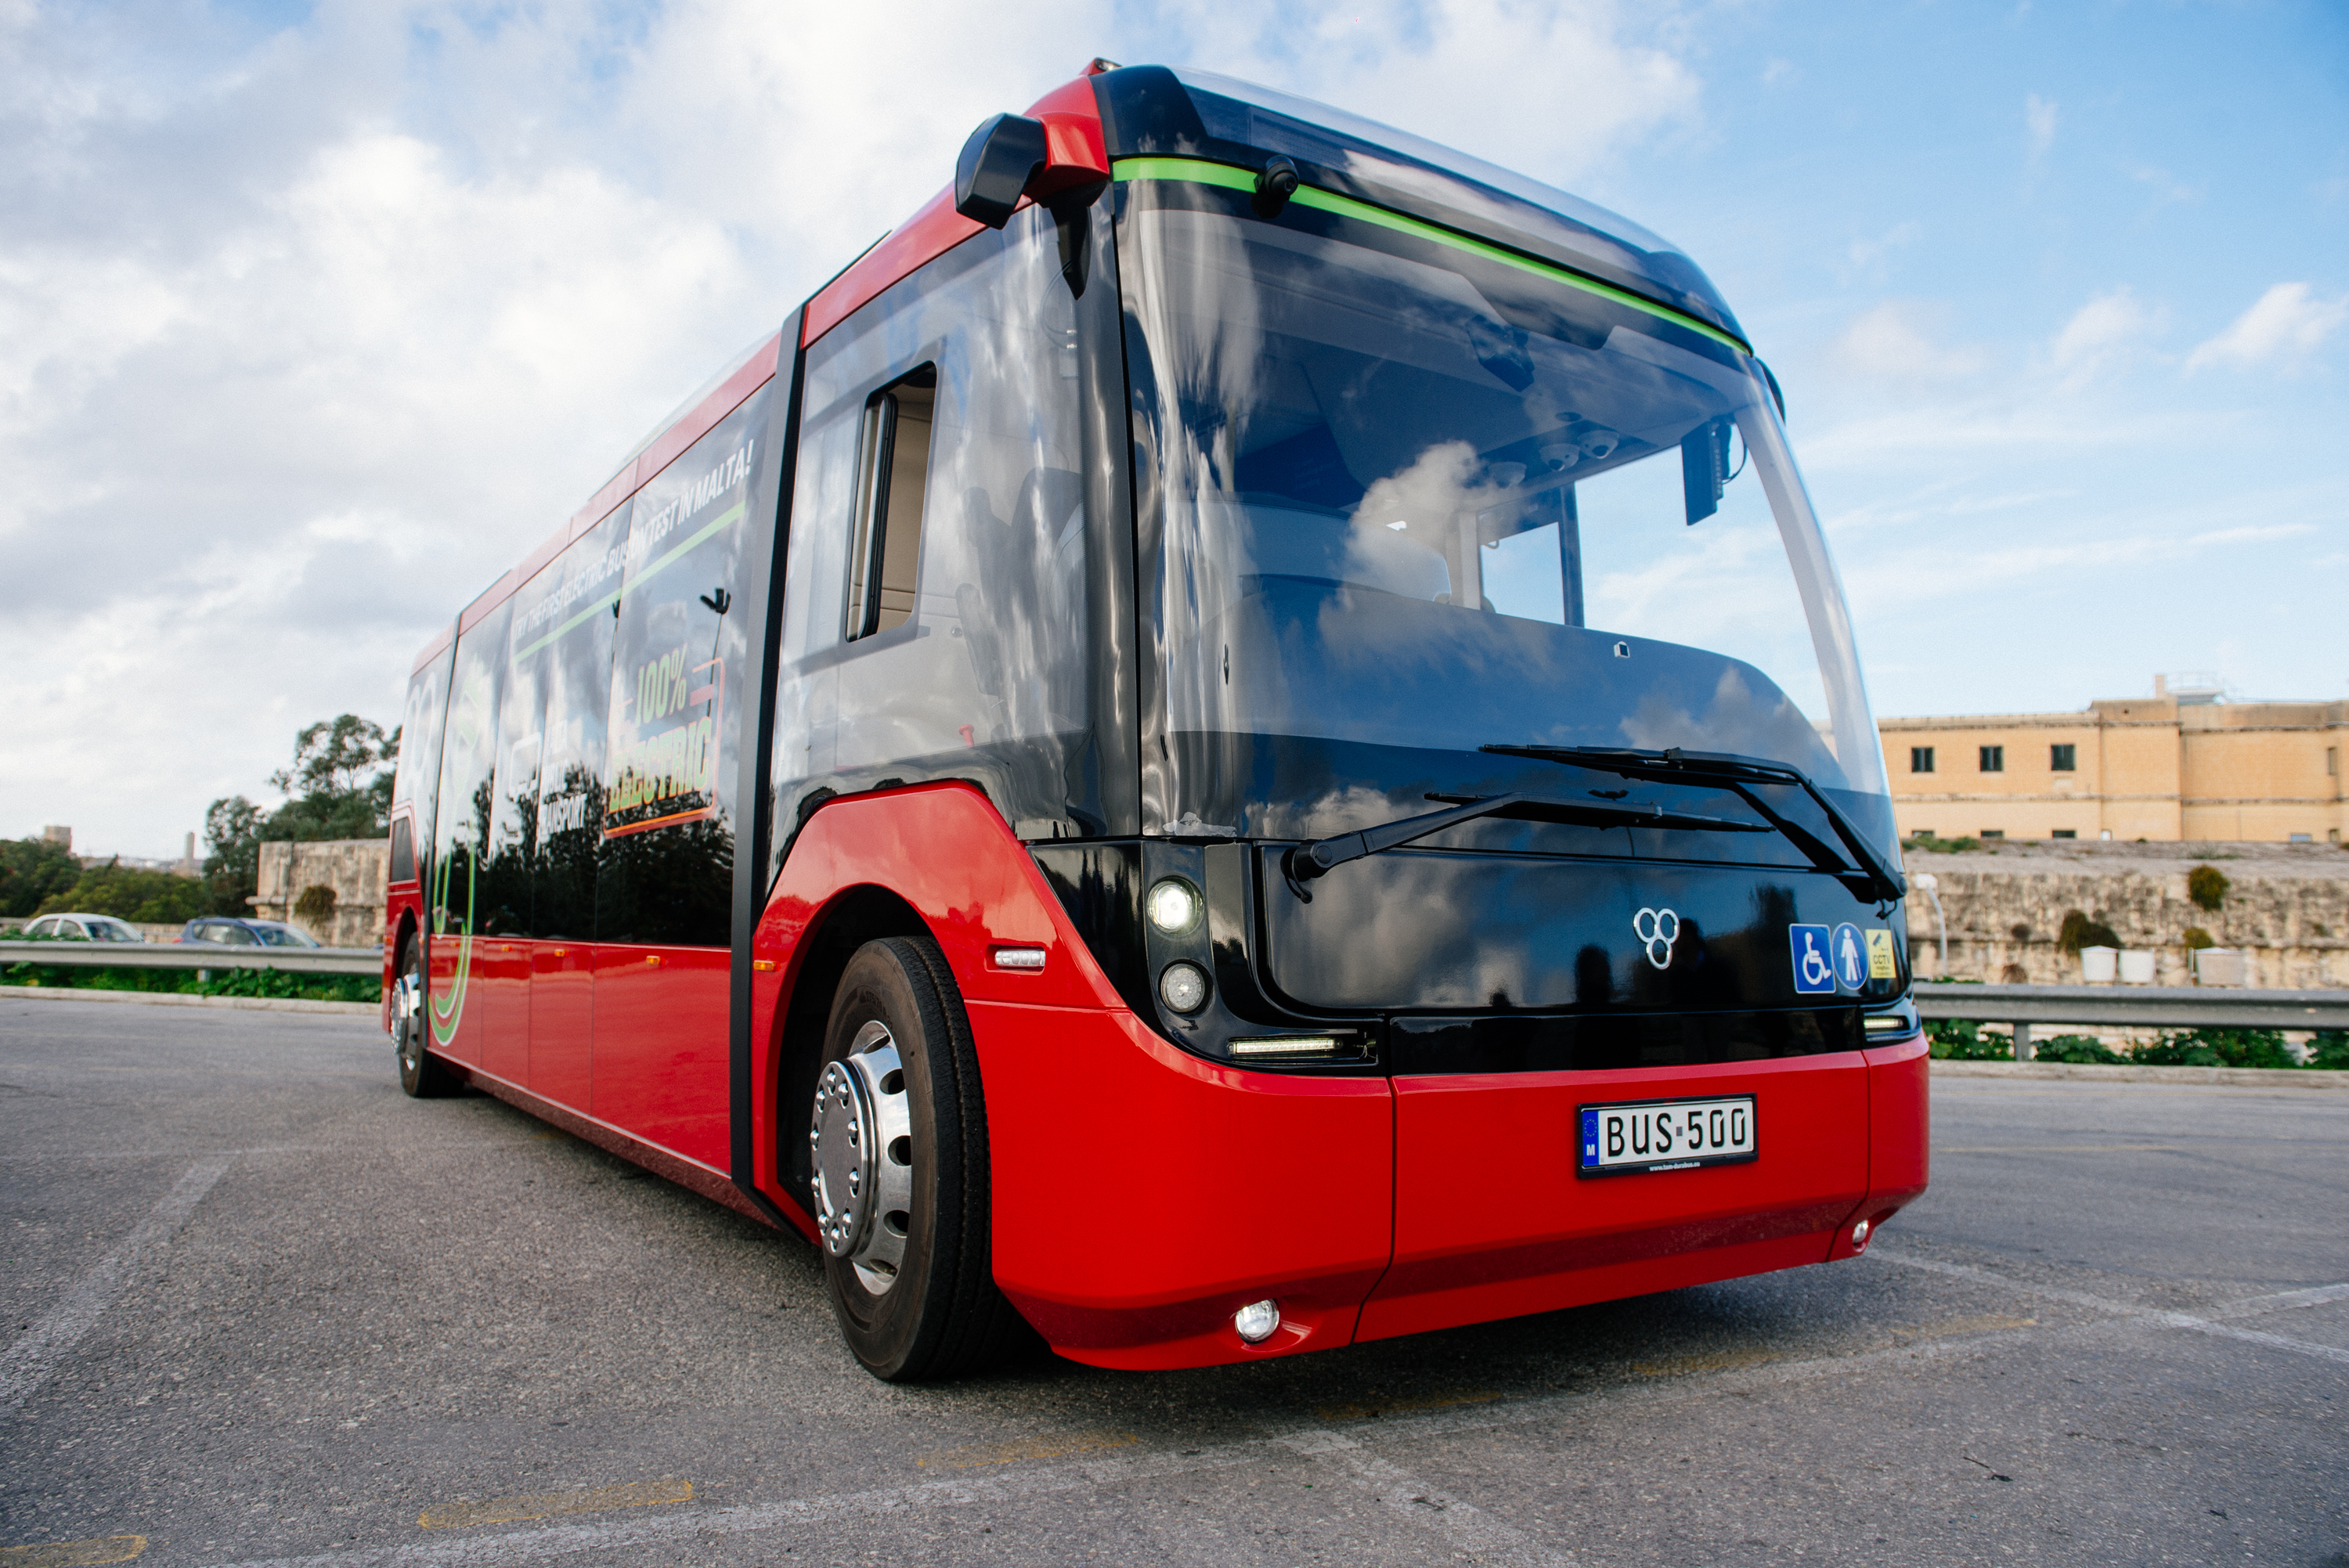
(42, 1348)
(2152, 1313)
(1469, 1527)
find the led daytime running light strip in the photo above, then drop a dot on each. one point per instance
(1199, 171)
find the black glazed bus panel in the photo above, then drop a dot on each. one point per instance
(1411, 929)
(1587, 1044)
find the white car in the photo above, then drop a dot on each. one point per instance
(85, 928)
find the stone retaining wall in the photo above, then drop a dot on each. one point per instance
(2287, 910)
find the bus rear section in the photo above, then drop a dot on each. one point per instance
(1244, 738)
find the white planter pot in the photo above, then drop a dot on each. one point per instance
(2099, 964)
(2137, 966)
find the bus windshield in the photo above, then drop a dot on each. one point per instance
(1401, 492)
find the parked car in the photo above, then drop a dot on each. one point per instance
(224, 931)
(85, 928)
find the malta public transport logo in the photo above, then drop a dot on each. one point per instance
(1828, 961)
(1657, 929)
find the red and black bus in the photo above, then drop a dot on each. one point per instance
(1241, 739)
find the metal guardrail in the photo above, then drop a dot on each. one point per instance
(193, 956)
(2121, 1006)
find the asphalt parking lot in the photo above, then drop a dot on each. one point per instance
(259, 1307)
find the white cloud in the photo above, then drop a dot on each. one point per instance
(2287, 323)
(2039, 124)
(2105, 331)
(1895, 343)
(312, 335)
(1867, 255)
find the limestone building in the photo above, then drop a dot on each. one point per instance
(2182, 764)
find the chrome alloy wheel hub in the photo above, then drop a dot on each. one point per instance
(408, 1018)
(863, 1146)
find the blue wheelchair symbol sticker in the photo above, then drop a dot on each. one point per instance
(1850, 957)
(1814, 969)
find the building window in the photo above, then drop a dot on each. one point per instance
(2064, 758)
(1920, 758)
(2333, 762)
(1992, 833)
(2065, 832)
(1994, 759)
(2301, 839)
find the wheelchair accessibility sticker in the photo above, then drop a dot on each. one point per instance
(1826, 961)
(1813, 973)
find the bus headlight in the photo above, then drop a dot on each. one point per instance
(1183, 987)
(1173, 906)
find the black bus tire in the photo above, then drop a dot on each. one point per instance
(940, 1316)
(421, 1074)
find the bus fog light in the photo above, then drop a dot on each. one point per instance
(1183, 987)
(1859, 1234)
(1173, 906)
(1256, 1320)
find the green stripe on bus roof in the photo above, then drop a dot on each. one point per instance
(731, 514)
(1199, 171)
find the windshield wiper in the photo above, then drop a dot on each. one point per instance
(1305, 862)
(1735, 773)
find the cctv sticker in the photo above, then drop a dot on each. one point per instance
(1879, 957)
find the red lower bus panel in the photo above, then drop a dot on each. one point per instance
(1143, 1196)
(660, 1057)
(1900, 1134)
(499, 989)
(1491, 1219)
(562, 1021)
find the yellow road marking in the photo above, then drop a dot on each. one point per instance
(548, 1504)
(1375, 1405)
(74, 1554)
(1680, 1366)
(1052, 1446)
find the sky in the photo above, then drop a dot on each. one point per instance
(314, 318)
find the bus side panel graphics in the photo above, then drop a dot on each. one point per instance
(1161, 1270)
(1561, 1242)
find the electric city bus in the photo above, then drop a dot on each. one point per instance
(1240, 739)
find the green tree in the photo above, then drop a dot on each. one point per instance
(153, 898)
(31, 869)
(341, 788)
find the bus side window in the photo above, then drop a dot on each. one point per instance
(893, 472)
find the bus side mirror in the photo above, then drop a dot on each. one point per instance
(995, 166)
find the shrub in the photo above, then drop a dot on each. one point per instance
(2196, 939)
(2207, 886)
(2075, 1048)
(2218, 1048)
(1961, 1040)
(317, 903)
(2079, 931)
(1928, 843)
(2329, 1048)
(153, 898)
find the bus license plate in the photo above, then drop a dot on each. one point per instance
(1648, 1135)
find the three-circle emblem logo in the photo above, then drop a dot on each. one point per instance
(1657, 929)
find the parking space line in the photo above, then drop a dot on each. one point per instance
(1468, 1527)
(2129, 1309)
(37, 1353)
(1473, 1529)
(2282, 1301)
(1049, 1445)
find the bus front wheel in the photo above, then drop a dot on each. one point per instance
(898, 1135)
